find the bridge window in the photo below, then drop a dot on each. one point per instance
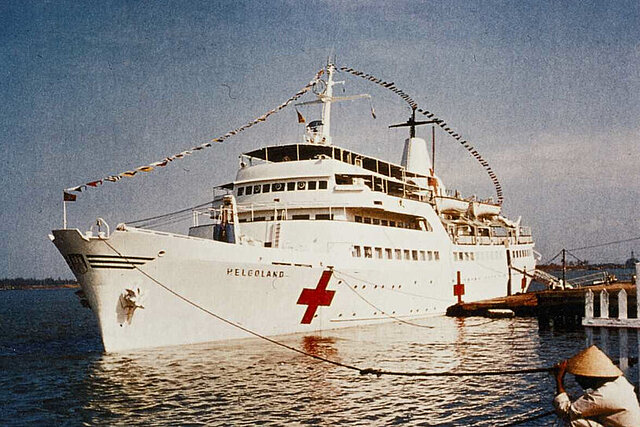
(357, 252)
(256, 189)
(277, 186)
(379, 253)
(414, 255)
(398, 253)
(407, 254)
(240, 191)
(311, 185)
(388, 253)
(324, 216)
(423, 256)
(248, 190)
(300, 217)
(302, 185)
(358, 218)
(322, 185)
(291, 186)
(266, 188)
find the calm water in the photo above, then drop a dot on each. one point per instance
(53, 372)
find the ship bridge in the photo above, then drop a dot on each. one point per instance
(298, 152)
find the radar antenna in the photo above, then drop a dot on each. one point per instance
(412, 123)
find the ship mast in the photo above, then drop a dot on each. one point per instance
(319, 131)
(327, 99)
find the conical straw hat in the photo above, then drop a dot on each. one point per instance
(592, 362)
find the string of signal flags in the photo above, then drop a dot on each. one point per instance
(70, 194)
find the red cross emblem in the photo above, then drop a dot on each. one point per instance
(314, 298)
(458, 289)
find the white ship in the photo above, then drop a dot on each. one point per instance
(308, 237)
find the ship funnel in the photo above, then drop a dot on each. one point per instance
(415, 157)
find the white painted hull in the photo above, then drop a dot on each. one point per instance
(249, 286)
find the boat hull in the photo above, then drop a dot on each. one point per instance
(188, 290)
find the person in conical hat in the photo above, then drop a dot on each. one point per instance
(608, 400)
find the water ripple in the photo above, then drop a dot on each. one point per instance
(54, 372)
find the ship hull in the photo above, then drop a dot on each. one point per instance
(189, 290)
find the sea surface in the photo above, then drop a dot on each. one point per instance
(53, 371)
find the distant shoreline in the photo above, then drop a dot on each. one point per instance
(38, 287)
(556, 267)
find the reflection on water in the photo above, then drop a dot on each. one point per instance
(251, 381)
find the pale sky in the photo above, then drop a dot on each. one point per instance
(548, 92)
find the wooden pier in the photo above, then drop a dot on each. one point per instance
(559, 308)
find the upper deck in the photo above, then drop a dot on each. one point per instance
(284, 166)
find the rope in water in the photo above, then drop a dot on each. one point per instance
(362, 371)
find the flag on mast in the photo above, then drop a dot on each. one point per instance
(68, 197)
(300, 117)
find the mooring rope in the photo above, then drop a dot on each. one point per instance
(167, 215)
(362, 371)
(440, 122)
(391, 316)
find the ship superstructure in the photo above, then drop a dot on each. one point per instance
(309, 236)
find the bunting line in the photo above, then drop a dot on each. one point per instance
(471, 149)
(387, 85)
(167, 160)
(440, 122)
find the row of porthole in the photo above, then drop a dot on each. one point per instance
(376, 286)
(522, 253)
(388, 253)
(375, 313)
(281, 186)
(470, 279)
